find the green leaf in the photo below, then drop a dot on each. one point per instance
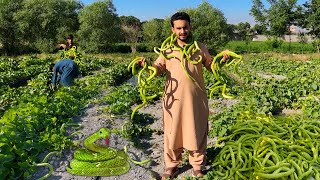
(314, 86)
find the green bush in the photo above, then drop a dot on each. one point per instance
(126, 48)
(267, 46)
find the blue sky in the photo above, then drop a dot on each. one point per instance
(234, 11)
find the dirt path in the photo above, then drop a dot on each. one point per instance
(92, 120)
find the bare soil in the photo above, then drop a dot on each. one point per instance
(151, 147)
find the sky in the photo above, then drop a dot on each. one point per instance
(235, 11)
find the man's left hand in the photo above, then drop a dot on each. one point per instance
(225, 56)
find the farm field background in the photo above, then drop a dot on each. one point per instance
(267, 87)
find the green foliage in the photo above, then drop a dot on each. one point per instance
(277, 18)
(131, 28)
(45, 45)
(126, 48)
(267, 89)
(99, 26)
(244, 31)
(281, 16)
(266, 46)
(138, 127)
(153, 31)
(68, 20)
(316, 44)
(117, 74)
(120, 99)
(311, 17)
(274, 42)
(209, 25)
(8, 30)
(40, 21)
(33, 116)
(13, 70)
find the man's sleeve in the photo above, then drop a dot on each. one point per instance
(160, 65)
(206, 57)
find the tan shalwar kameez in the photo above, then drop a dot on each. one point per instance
(185, 108)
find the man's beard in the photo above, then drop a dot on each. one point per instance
(185, 39)
(188, 37)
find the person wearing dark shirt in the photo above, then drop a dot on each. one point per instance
(69, 43)
(64, 72)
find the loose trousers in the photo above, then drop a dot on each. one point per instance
(197, 158)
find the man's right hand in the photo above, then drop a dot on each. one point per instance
(141, 62)
(61, 46)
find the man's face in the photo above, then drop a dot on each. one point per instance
(69, 40)
(182, 29)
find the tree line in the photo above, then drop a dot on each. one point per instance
(39, 25)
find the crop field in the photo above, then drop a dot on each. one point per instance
(271, 130)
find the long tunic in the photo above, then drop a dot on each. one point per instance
(65, 71)
(185, 103)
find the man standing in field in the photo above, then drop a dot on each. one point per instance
(185, 102)
(64, 71)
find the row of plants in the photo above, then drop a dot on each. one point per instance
(34, 120)
(256, 140)
(270, 46)
(267, 85)
(23, 68)
(263, 85)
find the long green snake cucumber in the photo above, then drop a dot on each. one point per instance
(220, 79)
(145, 75)
(73, 53)
(264, 147)
(44, 163)
(170, 43)
(100, 160)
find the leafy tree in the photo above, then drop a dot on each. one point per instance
(39, 21)
(153, 31)
(131, 29)
(230, 31)
(245, 33)
(209, 25)
(258, 11)
(69, 22)
(166, 28)
(259, 29)
(311, 19)
(280, 15)
(99, 26)
(8, 31)
(244, 30)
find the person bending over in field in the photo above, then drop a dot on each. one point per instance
(64, 72)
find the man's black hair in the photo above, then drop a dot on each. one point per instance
(51, 67)
(70, 36)
(180, 16)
